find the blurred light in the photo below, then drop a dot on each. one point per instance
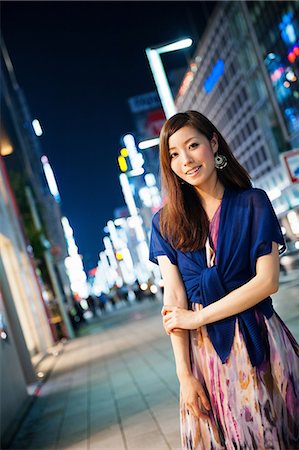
(129, 198)
(6, 149)
(124, 152)
(50, 178)
(161, 283)
(145, 196)
(286, 84)
(119, 222)
(294, 222)
(107, 269)
(73, 262)
(271, 56)
(119, 256)
(40, 374)
(274, 193)
(153, 289)
(136, 158)
(285, 260)
(290, 76)
(37, 127)
(143, 286)
(136, 223)
(113, 235)
(183, 43)
(161, 81)
(136, 172)
(3, 335)
(277, 74)
(84, 304)
(217, 72)
(122, 163)
(297, 245)
(187, 80)
(68, 231)
(291, 57)
(150, 179)
(128, 259)
(283, 230)
(148, 143)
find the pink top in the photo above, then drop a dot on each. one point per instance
(214, 226)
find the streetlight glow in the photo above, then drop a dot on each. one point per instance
(50, 178)
(37, 127)
(179, 45)
(155, 62)
(148, 143)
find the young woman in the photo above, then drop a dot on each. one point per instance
(217, 242)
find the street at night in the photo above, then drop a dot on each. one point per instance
(149, 225)
(116, 388)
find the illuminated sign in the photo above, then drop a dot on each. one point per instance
(287, 29)
(293, 54)
(216, 73)
(291, 160)
(50, 178)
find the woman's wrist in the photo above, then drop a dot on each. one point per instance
(200, 317)
(183, 375)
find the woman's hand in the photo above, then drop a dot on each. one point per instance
(176, 317)
(194, 396)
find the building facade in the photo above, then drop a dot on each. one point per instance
(228, 81)
(24, 323)
(40, 211)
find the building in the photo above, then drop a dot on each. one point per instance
(25, 327)
(228, 81)
(39, 207)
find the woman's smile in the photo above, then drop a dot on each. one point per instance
(193, 172)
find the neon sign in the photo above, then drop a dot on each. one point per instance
(216, 73)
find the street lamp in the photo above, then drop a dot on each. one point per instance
(157, 68)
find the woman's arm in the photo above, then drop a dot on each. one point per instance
(175, 296)
(263, 284)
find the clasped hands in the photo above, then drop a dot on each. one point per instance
(175, 317)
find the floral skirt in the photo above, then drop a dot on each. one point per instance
(251, 408)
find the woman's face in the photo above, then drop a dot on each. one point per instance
(192, 156)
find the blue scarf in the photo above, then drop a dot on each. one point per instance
(247, 227)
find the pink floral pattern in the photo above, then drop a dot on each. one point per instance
(252, 408)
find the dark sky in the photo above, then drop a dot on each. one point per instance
(78, 63)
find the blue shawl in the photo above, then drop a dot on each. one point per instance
(247, 227)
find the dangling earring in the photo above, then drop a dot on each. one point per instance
(220, 161)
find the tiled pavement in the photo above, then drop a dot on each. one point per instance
(116, 388)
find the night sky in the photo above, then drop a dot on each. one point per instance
(78, 63)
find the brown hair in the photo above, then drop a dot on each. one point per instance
(183, 220)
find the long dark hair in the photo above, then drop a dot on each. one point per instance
(183, 220)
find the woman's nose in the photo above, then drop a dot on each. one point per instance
(187, 158)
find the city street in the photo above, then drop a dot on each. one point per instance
(115, 386)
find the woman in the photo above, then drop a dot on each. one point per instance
(217, 242)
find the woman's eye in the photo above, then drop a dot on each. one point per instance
(173, 155)
(194, 145)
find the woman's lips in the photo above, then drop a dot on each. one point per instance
(194, 171)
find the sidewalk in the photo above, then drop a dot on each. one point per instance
(115, 387)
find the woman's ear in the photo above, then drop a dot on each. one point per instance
(214, 143)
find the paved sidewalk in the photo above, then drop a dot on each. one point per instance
(116, 388)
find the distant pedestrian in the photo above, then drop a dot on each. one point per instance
(92, 305)
(103, 299)
(217, 242)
